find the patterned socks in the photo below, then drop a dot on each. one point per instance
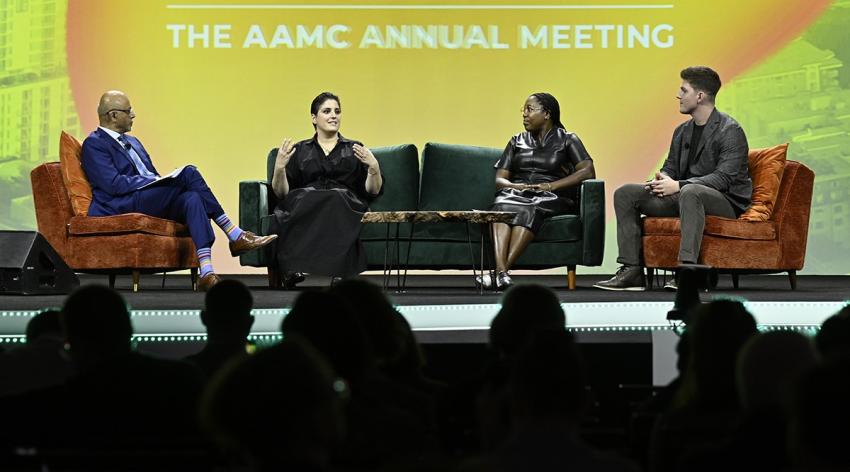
(205, 261)
(233, 232)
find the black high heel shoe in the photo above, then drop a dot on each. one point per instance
(503, 281)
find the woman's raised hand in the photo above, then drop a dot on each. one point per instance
(364, 155)
(284, 153)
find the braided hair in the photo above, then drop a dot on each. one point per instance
(550, 104)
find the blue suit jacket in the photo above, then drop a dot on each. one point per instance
(112, 175)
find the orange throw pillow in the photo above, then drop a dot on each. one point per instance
(76, 183)
(766, 167)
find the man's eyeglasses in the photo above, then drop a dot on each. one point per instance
(528, 109)
(128, 111)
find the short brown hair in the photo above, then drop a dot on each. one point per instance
(702, 78)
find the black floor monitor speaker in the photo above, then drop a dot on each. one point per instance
(30, 266)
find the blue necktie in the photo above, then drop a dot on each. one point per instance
(134, 157)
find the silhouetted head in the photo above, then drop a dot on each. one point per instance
(525, 309)
(45, 323)
(280, 406)
(819, 430)
(380, 320)
(718, 331)
(97, 324)
(331, 326)
(548, 378)
(768, 366)
(227, 311)
(833, 338)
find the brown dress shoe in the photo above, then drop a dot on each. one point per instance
(248, 242)
(207, 282)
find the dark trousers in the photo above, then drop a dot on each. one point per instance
(691, 204)
(185, 198)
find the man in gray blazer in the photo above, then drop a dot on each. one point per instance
(705, 173)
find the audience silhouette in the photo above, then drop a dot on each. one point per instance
(227, 317)
(768, 366)
(706, 404)
(386, 422)
(279, 409)
(819, 430)
(346, 390)
(41, 362)
(833, 338)
(548, 398)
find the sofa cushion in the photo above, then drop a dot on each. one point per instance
(400, 168)
(123, 224)
(766, 166)
(715, 226)
(455, 177)
(76, 183)
(560, 228)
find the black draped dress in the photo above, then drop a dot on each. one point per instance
(536, 162)
(318, 222)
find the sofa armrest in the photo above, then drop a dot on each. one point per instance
(255, 202)
(592, 215)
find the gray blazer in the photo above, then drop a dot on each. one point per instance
(720, 161)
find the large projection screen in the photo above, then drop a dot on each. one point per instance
(218, 84)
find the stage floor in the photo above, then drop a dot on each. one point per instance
(444, 308)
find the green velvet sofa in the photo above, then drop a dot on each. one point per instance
(450, 177)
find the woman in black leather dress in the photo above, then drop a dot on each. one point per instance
(538, 176)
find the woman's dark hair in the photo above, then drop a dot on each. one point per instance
(550, 104)
(317, 102)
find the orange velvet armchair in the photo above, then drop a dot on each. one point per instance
(131, 243)
(741, 246)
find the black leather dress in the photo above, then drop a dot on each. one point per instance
(536, 162)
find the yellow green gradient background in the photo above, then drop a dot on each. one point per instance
(223, 109)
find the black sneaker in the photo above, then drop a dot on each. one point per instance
(671, 285)
(503, 281)
(627, 278)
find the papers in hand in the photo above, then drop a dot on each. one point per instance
(174, 173)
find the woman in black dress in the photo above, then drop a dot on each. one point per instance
(324, 184)
(538, 176)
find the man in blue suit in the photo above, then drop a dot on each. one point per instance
(124, 180)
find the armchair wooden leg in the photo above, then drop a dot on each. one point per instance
(112, 281)
(792, 278)
(735, 280)
(650, 277)
(194, 278)
(136, 276)
(571, 277)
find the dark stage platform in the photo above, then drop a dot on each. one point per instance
(447, 309)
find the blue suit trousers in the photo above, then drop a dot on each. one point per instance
(185, 198)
